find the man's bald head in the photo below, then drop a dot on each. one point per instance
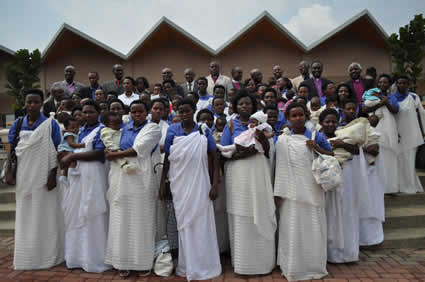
(167, 74)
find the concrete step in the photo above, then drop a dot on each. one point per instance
(7, 228)
(7, 211)
(404, 200)
(7, 194)
(404, 217)
(404, 238)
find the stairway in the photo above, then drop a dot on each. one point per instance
(7, 210)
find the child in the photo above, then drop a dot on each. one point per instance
(220, 123)
(258, 121)
(372, 97)
(99, 95)
(111, 137)
(218, 107)
(69, 142)
(207, 117)
(315, 109)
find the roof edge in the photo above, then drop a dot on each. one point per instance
(179, 29)
(252, 23)
(87, 37)
(347, 23)
(7, 50)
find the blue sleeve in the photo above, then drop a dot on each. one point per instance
(11, 133)
(394, 102)
(56, 133)
(169, 138)
(322, 142)
(226, 137)
(97, 142)
(211, 141)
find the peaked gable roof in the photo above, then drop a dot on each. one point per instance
(363, 14)
(263, 16)
(178, 29)
(67, 27)
(7, 50)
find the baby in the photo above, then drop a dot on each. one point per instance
(220, 123)
(315, 109)
(258, 121)
(111, 137)
(372, 97)
(372, 139)
(69, 143)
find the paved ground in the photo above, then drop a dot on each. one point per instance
(375, 265)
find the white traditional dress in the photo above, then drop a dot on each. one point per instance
(250, 208)
(345, 204)
(410, 138)
(132, 203)
(372, 218)
(86, 213)
(199, 257)
(39, 218)
(302, 224)
(387, 167)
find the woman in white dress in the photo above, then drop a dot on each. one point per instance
(410, 124)
(387, 164)
(39, 218)
(249, 194)
(301, 201)
(187, 148)
(84, 200)
(132, 197)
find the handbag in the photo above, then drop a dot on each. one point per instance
(326, 170)
(163, 265)
(13, 160)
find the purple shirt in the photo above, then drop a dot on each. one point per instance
(318, 84)
(70, 87)
(358, 89)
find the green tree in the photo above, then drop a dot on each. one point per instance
(408, 49)
(22, 74)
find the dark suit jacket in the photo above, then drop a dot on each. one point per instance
(112, 86)
(186, 90)
(350, 84)
(85, 92)
(49, 106)
(313, 90)
(240, 84)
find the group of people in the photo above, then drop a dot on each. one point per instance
(214, 166)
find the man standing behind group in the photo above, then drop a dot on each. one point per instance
(69, 86)
(357, 84)
(167, 74)
(190, 83)
(257, 76)
(237, 74)
(315, 83)
(216, 78)
(88, 92)
(116, 84)
(277, 72)
(304, 69)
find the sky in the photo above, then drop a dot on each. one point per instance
(120, 24)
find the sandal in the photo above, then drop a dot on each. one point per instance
(144, 273)
(124, 273)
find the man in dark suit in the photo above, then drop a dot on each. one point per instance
(57, 93)
(237, 74)
(190, 85)
(117, 84)
(357, 84)
(315, 83)
(167, 74)
(88, 92)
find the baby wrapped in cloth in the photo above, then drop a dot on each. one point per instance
(356, 133)
(247, 138)
(111, 138)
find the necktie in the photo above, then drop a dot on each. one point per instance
(189, 86)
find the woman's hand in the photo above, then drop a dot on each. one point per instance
(51, 180)
(9, 175)
(337, 143)
(213, 192)
(372, 149)
(110, 156)
(278, 201)
(311, 144)
(243, 152)
(66, 160)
